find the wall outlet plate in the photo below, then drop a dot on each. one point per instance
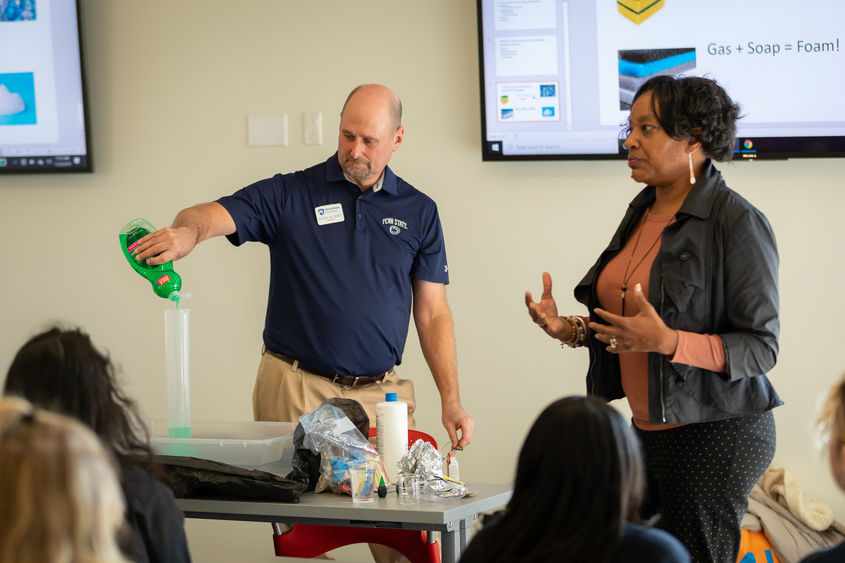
(312, 128)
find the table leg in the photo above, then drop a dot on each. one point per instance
(449, 550)
(464, 532)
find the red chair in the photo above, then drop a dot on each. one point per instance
(311, 540)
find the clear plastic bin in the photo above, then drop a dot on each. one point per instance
(253, 445)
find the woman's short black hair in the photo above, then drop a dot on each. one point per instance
(691, 107)
(579, 477)
(62, 371)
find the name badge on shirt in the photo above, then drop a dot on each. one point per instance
(328, 214)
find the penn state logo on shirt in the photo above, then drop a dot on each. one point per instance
(394, 226)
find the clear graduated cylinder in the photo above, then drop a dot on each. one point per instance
(177, 364)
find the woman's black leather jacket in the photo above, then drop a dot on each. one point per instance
(716, 272)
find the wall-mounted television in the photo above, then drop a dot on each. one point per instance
(557, 76)
(43, 111)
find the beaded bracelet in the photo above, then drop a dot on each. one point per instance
(577, 330)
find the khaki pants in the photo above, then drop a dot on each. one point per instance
(283, 392)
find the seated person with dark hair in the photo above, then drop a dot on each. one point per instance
(61, 371)
(579, 485)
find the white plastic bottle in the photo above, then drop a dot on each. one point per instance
(391, 432)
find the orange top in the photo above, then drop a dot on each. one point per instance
(633, 264)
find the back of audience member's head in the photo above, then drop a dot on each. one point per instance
(62, 371)
(831, 423)
(579, 477)
(61, 501)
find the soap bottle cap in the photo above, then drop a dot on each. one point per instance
(390, 397)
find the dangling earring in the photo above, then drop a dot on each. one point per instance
(691, 171)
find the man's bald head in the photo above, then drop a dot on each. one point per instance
(379, 94)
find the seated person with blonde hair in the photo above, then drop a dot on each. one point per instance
(60, 501)
(831, 422)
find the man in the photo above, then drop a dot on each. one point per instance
(353, 249)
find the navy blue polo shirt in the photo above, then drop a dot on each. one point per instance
(342, 263)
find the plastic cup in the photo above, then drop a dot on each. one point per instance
(408, 488)
(362, 475)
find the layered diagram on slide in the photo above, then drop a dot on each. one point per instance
(638, 65)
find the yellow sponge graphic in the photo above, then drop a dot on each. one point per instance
(639, 11)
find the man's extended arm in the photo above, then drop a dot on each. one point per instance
(190, 227)
(433, 320)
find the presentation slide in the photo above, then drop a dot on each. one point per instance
(520, 56)
(42, 114)
(523, 14)
(559, 76)
(528, 101)
(28, 112)
(777, 59)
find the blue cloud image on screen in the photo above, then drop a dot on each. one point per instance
(547, 90)
(17, 10)
(506, 113)
(17, 99)
(548, 112)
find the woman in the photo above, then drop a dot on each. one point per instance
(61, 502)
(579, 483)
(683, 316)
(62, 371)
(831, 423)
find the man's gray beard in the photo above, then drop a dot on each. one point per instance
(350, 171)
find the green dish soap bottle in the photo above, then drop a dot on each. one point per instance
(166, 282)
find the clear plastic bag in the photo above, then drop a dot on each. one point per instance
(330, 433)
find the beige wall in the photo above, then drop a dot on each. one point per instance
(170, 86)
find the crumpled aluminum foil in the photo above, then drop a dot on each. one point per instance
(425, 461)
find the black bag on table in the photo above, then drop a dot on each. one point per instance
(191, 477)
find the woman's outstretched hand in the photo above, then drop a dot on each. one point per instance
(644, 332)
(544, 312)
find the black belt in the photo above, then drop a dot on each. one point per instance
(337, 378)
